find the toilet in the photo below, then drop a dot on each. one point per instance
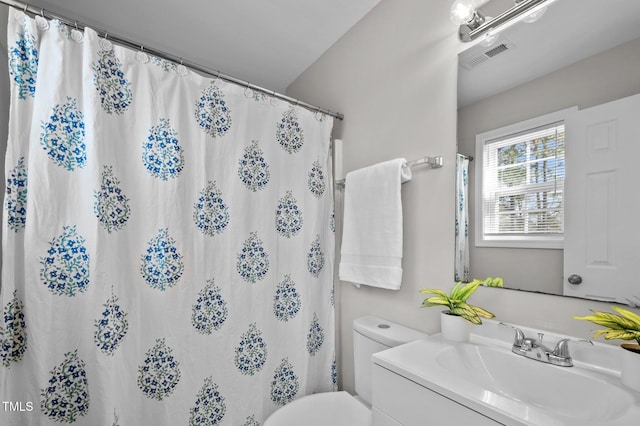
(370, 335)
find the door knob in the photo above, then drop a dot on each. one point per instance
(575, 279)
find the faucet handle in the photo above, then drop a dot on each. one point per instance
(562, 347)
(519, 337)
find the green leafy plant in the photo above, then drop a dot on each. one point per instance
(493, 282)
(457, 301)
(625, 326)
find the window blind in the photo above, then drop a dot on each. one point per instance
(523, 183)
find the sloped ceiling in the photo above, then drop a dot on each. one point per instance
(569, 31)
(266, 42)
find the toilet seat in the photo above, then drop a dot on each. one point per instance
(322, 409)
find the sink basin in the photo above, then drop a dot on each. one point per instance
(565, 391)
(484, 376)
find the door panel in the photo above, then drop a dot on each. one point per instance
(602, 196)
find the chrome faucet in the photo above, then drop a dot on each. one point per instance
(535, 349)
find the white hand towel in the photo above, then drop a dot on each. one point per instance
(371, 252)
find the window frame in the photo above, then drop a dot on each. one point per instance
(542, 241)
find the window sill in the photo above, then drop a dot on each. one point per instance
(521, 242)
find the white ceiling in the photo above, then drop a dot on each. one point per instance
(570, 30)
(266, 42)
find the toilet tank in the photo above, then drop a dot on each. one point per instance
(370, 335)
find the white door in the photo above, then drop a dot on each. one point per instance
(602, 196)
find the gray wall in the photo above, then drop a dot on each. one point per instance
(610, 75)
(394, 77)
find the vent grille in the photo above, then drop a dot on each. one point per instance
(479, 54)
(474, 62)
(497, 50)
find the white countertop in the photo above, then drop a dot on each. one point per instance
(418, 362)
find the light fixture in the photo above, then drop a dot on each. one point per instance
(534, 16)
(473, 24)
(464, 12)
(489, 39)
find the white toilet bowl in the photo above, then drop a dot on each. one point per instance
(322, 409)
(370, 335)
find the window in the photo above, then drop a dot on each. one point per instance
(520, 190)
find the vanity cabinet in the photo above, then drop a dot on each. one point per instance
(398, 401)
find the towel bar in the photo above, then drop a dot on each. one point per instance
(433, 162)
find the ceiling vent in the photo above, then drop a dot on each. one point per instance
(478, 55)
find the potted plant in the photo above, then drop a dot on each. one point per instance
(453, 324)
(624, 326)
(493, 282)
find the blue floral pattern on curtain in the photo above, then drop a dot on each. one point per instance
(156, 270)
(462, 219)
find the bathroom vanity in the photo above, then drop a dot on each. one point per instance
(437, 382)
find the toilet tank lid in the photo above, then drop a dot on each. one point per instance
(386, 332)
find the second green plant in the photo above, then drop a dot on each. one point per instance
(456, 301)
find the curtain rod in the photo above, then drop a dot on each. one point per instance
(25, 7)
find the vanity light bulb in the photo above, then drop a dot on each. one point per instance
(489, 39)
(533, 17)
(462, 12)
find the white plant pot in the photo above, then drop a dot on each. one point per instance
(454, 327)
(630, 367)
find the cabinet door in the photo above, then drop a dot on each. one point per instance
(381, 419)
(410, 404)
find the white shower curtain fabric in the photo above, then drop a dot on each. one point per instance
(168, 241)
(462, 219)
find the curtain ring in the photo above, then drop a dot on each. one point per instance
(41, 21)
(181, 69)
(76, 34)
(105, 44)
(22, 19)
(142, 57)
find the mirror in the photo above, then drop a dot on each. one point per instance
(580, 53)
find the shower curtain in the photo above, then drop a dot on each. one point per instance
(462, 219)
(168, 241)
